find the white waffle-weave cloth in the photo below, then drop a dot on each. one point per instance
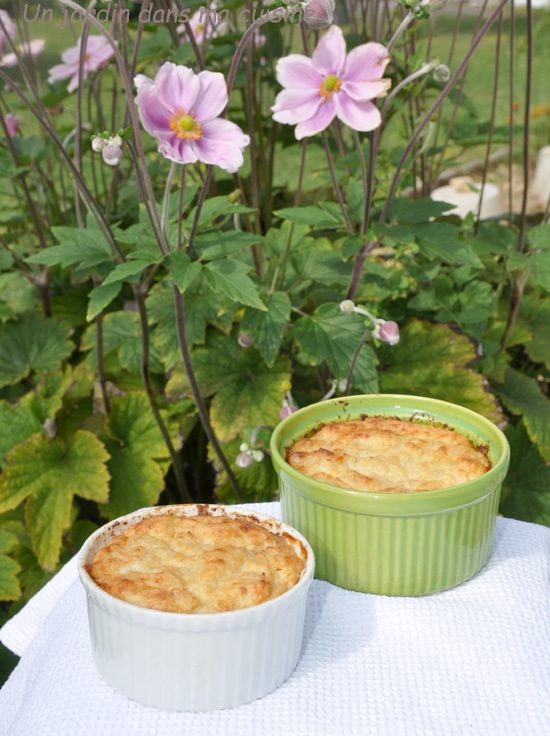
(471, 661)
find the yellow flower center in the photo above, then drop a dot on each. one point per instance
(329, 86)
(185, 125)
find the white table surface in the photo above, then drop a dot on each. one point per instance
(471, 661)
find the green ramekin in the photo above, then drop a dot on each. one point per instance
(398, 544)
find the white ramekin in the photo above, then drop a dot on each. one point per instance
(196, 662)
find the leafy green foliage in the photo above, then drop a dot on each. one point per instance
(246, 392)
(525, 489)
(522, 395)
(433, 360)
(330, 337)
(32, 344)
(10, 590)
(135, 444)
(49, 473)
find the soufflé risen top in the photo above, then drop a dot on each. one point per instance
(388, 455)
(196, 564)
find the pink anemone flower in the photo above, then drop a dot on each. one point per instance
(181, 110)
(200, 26)
(97, 54)
(32, 49)
(7, 29)
(331, 84)
(11, 121)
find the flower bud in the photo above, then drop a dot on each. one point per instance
(347, 306)
(115, 140)
(11, 122)
(98, 143)
(442, 73)
(319, 14)
(387, 332)
(112, 154)
(287, 410)
(257, 456)
(245, 340)
(244, 460)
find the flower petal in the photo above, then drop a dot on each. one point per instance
(295, 105)
(177, 87)
(366, 90)
(366, 63)
(318, 122)
(330, 53)
(59, 72)
(181, 152)
(297, 72)
(222, 144)
(357, 114)
(153, 114)
(212, 97)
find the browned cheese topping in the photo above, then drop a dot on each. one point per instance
(388, 455)
(198, 564)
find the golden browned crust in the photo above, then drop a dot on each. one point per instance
(388, 455)
(197, 564)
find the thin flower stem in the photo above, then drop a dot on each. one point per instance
(354, 360)
(424, 69)
(401, 28)
(491, 125)
(438, 102)
(100, 363)
(166, 203)
(175, 456)
(195, 390)
(364, 180)
(92, 204)
(335, 184)
(528, 96)
(203, 193)
(297, 194)
(141, 163)
(247, 35)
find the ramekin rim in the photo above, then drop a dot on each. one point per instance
(305, 579)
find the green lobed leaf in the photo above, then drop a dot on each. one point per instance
(17, 295)
(32, 344)
(535, 316)
(182, 269)
(246, 391)
(216, 207)
(231, 278)
(221, 243)
(18, 424)
(331, 337)
(134, 442)
(121, 332)
(523, 396)
(202, 307)
(433, 360)
(440, 240)
(86, 247)
(50, 473)
(316, 217)
(127, 271)
(408, 211)
(10, 588)
(525, 491)
(267, 328)
(100, 297)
